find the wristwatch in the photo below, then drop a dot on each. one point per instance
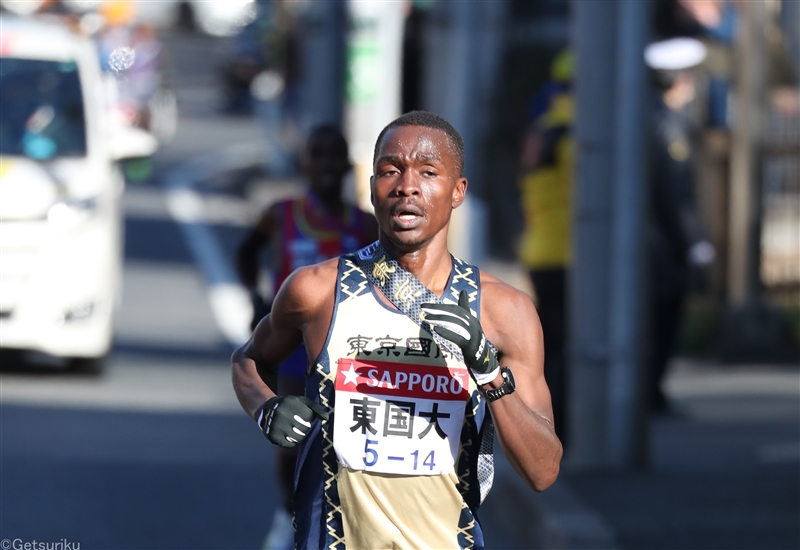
(508, 386)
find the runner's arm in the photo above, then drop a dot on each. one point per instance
(255, 364)
(247, 253)
(523, 419)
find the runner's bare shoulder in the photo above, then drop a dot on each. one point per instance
(494, 289)
(308, 290)
(507, 313)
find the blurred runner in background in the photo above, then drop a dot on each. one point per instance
(546, 189)
(303, 231)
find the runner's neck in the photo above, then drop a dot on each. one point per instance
(431, 264)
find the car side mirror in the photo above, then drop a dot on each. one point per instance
(128, 142)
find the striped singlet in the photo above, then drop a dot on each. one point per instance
(395, 465)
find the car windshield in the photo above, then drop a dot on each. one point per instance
(41, 109)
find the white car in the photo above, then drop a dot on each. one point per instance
(60, 188)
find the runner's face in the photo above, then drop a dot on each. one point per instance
(326, 166)
(415, 185)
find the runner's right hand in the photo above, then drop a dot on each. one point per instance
(285, 420)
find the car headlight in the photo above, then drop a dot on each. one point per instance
(69, 213)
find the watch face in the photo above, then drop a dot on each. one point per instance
(509, 376)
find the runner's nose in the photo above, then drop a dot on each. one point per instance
(407, 184)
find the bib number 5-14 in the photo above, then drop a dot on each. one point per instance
(371, 456)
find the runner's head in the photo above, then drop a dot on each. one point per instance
(326, 161)
(417, 180)
(427, 120)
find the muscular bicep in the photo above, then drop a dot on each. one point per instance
(279, 333)
(301, 310)
(271, 344)
(514, 327)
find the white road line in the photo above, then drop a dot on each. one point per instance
(143, 385)
(780, 452)
(229, 300)
(783, 382)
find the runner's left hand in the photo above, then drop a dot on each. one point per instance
(457, 324)
(286, 420)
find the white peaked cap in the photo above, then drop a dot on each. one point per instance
(675, 54)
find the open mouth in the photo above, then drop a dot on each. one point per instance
(407, 215)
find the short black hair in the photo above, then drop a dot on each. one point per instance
(427, 120)
(327, 131)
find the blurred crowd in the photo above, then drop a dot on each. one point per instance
(131, 53)
(691, 74)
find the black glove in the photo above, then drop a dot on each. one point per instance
(260, 308)
(285, 420)
(457, 324)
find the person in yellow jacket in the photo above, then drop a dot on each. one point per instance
(546, 191)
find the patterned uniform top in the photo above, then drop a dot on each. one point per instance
(395, 465)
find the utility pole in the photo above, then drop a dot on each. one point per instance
(627, 407)
(323, 62)
(746, 144)
(607, 420)
(595, 32)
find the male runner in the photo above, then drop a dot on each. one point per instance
(301, 231)
(395, 428)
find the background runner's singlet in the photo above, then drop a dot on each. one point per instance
(308, 236)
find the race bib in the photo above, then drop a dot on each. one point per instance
(399, 418)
